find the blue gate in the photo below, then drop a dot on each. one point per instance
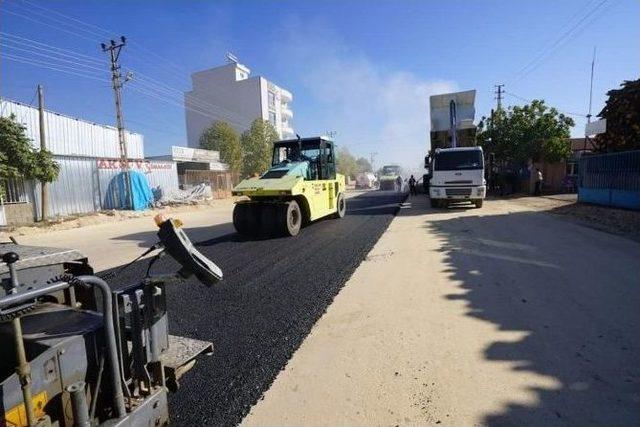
(610, 179)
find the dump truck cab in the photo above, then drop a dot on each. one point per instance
(300, 186)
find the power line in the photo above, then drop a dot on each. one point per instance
(50, 12)
(28, 18)
(51, 67)
(150, 91)
(567, 113)
(564, 37)
(13, 38)
(105, 32)
(53, 57)
(150, 87)
(171, 101)
(150, 83)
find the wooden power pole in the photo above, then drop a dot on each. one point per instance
(44, 194)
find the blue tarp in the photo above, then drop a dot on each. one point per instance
(116, 197)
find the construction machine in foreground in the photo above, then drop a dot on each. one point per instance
(300, 187)
(76, 351)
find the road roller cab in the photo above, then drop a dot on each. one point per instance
(301, 186)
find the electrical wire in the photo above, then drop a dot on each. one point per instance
(105, 33)
(51, 67)
(55, 58)
(566, 113)
(149, 91)
(33, 44)
(564, 37)
(149, 83)
(159, 86)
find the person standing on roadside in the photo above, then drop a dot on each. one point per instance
(412, 186)
(538, 188)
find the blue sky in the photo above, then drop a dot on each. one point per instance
(364, 69)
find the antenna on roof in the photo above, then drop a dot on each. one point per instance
(231, 58)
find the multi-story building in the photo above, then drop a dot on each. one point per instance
(227, 93)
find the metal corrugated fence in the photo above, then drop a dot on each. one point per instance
(70, 136)
(82, 184)
(610, 179)
(620, 171)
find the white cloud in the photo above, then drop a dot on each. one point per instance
(372, 108)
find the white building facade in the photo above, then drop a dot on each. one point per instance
(228, 93)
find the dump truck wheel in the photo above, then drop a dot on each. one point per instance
(434, 203)
(341, 206)
(292, 218)
(478, 203)
(240, 218)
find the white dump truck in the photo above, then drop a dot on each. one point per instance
(457, 175)
(455, 165)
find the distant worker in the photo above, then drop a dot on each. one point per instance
(399, 182)
(412, 186)
(538, 188)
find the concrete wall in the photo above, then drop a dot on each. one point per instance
(18, 214)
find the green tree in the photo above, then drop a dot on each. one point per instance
(220, 136)
(534, 132)
(346, 163)
(363, 165)
(19, 158)
(622, 112)
(257, 146)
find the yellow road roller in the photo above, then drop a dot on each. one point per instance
(300, 187)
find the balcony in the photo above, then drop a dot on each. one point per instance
(285, 96)
(287, 131)
(286, 112)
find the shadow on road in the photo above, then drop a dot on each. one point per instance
(574, 293)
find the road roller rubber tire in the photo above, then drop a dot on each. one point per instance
(240, 218)
(341, 206)
(254, 216)
(268, 221)
(292, 218)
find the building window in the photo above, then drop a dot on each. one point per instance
(272, 99)
(272, 118)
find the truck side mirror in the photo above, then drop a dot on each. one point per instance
(426, 161)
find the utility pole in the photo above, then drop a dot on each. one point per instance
(499, 92)
(114, 53)
(44, 194)
(593, 63)
(331, 134)
(372, 156)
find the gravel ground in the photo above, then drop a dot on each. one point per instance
(274, 291)
(612, 220)
(73, 222)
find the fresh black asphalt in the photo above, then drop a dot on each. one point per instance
(272, 294)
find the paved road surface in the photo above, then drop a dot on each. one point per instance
(273, 293)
